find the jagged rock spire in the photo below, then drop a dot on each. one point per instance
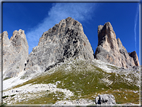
(15, 53)
(111, 49)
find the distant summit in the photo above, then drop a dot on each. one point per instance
(111, 49)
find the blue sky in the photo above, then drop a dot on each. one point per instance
(36, 18)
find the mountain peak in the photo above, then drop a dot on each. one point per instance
(108, 24)
(63, 41)
(69, 18)
(111, 49)
(15, 52)
(20, 33)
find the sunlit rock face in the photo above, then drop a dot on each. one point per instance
(111, 49)
(15, 53)
(66, 40)
(63, 41)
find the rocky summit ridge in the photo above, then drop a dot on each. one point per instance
(63, 41)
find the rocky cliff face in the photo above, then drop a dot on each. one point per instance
(111, 49)
(15, 53)
(65, 40)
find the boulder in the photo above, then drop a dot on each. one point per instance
(105, 99)
(111, 50)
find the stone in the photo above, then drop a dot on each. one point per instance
(111, 50)
(105, 99)
(61, 42)
(15, 53)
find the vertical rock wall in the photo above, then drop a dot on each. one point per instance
(15, 53)
(111, 49)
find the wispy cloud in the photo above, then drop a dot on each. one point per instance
(135, 27)
(59, 11)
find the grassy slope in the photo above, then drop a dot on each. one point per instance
(50, 98)
(84, 80)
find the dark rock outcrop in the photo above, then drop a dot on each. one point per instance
(65, 40)
(105, 99)
(135, 57)
(15, 53)
(111, 49)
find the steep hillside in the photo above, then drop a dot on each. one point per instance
(77, 79)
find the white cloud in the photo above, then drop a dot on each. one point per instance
(135, 22)
(59, 11)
